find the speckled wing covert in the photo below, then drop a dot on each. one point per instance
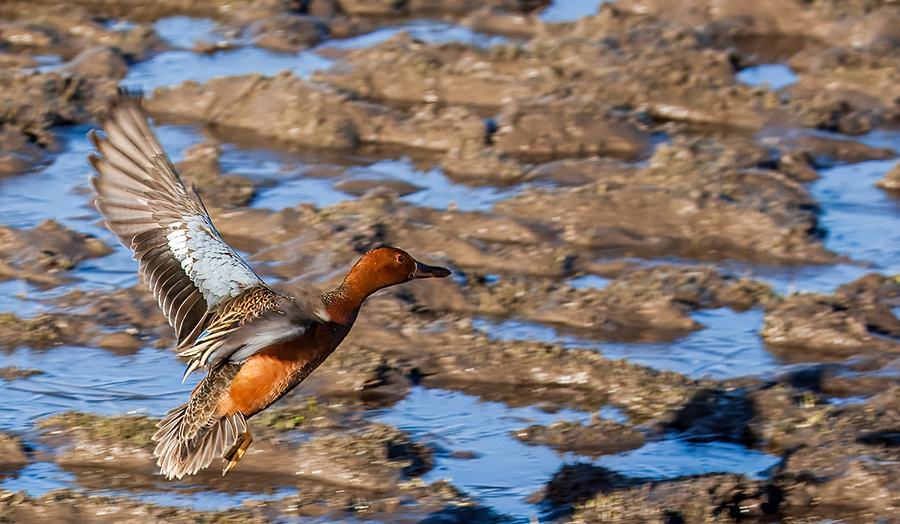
(206, 291)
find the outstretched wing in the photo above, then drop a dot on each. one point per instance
(187, 265)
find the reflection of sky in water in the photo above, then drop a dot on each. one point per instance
(791, 279)
(861, 220)
(318, 191)
(506, 471)
(38, 478)
(777, 75)
(889, 139)
(570, 10)
(53, 191)
(783, 279)
(117, 270)
(48, 63)
(174, 67)
(674, 458)
(147, 382)
(14, 298)
(61, 191)
(292, 187)
(425, 30)
(258, 162)
(439, 191)
(728, 347)
(211, 500)
(589, 281)
(120, 25)
(183, 32)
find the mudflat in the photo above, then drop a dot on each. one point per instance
(670, 223)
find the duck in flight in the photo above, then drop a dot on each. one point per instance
(256, 344)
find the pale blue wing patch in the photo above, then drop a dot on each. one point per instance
(214, 268)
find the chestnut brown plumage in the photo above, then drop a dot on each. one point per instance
(255, 343)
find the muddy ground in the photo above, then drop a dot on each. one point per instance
(636, 158)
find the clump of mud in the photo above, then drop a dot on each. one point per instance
(129, 429)
(819, 327)
(74, 506)
(601, 437)
(42, 255)
(13, 372)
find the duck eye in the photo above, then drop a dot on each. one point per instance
(401, 259)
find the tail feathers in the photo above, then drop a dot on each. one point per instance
(180, 455)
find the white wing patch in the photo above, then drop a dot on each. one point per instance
(216, 270)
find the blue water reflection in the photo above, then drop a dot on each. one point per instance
(776, 76)
(728, 347)
(570, 10)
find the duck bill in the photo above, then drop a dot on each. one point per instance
(426, 271)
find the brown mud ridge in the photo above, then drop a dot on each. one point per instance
(570, 113)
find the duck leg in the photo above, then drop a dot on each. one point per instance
(237, 451)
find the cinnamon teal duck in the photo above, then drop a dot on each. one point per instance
(255, 343)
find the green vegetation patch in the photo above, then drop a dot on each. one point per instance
(137, 429)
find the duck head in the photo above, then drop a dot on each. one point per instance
(387, 266)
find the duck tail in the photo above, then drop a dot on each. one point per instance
(184, 450)
(193, 434)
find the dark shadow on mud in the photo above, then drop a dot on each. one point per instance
(716, 416)
(467, 515)
(577, 483)
(766, 500)
(887, 438)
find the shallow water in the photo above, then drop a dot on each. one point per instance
(439, 191)
(25, 200)
(727, 348)
(14, 296)
(174, 67)
(430, 31)
(861, 220)
(294, 187)
(61, 191)
(505, 470)
(589, 281)
(212, 500)
(38, 478)
(570, 10)
(90, 380)
(776, 76)
(185, 32)
(796, 279)
(291, 192)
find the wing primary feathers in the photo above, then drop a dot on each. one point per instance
(187, 265)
